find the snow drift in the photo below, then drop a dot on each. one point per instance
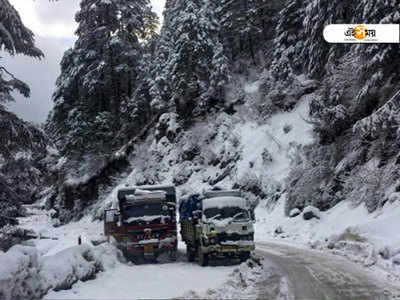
(26, 275)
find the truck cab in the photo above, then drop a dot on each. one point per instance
(216, 224)
(144, 226)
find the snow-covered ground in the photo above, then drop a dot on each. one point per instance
(369, 239)
(277, 137)
(263, 151)
(59, 259)
(154, 281)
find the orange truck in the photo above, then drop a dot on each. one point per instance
(144, 225)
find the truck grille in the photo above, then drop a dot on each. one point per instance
(223, 237)
(155, 233)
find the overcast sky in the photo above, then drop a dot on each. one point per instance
(53, 24)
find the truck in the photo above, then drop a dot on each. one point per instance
(216, 224)
(144, 224)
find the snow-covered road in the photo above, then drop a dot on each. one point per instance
(312, 275)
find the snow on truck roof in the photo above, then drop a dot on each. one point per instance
(138, 196)
(169, 190)
(222, 193)
(224, 201)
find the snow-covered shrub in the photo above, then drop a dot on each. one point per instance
(394, 197)
(167, 126)
(182, 174)
(311, 212)
(25, 275)
(287, 128)
(351, 234)
(310, 174)
(294, 212)
(65, 268)
(19, 276)
(12, 235)
(267, 157)
(252, 183)
(190, 150)
(396, 259)
(367, 184)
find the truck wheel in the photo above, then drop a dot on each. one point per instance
(173, 255)
(203, 257)
(244, 256)
(190, 254)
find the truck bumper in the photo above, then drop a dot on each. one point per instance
(232, 249)
(150, 250)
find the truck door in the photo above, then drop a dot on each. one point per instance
(110, 221)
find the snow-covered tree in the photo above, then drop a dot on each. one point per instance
(196, 68)
(245, 25)
(317, 53)
(159, 79)
(289, 41)
(100, 74)
(379, 62)
(15, 38)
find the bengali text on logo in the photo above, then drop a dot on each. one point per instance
(362, 33)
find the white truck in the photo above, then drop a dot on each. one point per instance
(216, 224)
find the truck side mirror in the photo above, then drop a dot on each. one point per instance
(252, 215)
(197, 214)
(119, 220)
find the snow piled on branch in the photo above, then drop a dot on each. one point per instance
(389, 112)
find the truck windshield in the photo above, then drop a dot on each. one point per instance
(147, 212)
(238, 214)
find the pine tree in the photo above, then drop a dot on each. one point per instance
(289, 41)
(159, 79)
(15, 38)
(100, 74)
(196, 69)
(380, 63)
(246, 24)
(317, 53)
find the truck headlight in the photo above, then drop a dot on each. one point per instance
(248, 237)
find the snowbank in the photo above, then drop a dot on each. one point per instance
(62, 270)
(26, 275)
(369, 239)
(241, 283)
(19, 276)
(148, 281)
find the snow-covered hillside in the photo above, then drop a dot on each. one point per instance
(239, 151)
(225, 95)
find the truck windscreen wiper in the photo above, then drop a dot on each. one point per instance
(213, 217)
(237, 215)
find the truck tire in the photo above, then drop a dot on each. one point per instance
(244, 256)
(203, 257)
(190, 254)
(173, 255)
